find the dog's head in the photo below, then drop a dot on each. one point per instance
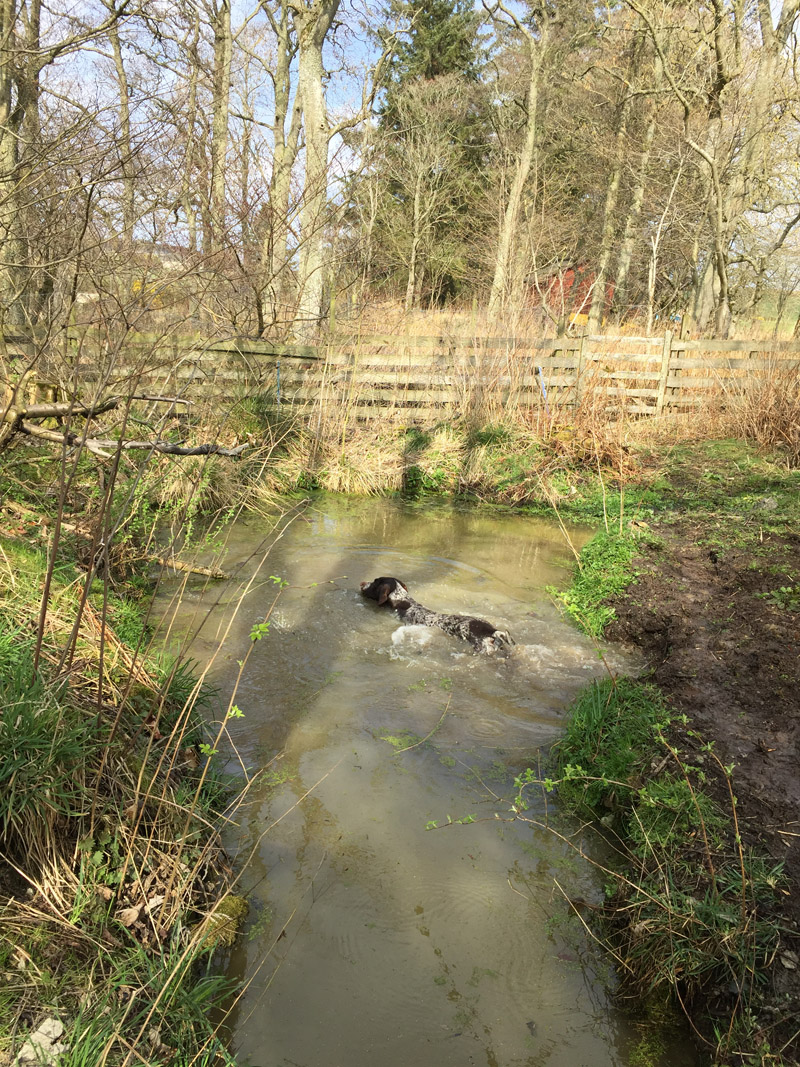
(381, 589)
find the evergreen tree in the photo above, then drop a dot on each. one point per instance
(434, 131)
(442, 38)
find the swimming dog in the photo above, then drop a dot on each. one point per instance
(481, 634)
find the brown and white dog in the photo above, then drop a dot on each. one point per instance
(481, 635)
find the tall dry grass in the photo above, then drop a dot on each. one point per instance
(765, 409)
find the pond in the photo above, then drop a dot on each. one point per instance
(400, 914)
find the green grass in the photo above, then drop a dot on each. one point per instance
(46, 743)
(99, 814)
(603, 571)
(598, 761)
(690, 911)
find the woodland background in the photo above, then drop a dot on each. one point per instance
(257, 167)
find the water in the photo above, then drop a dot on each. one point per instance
(374, 938)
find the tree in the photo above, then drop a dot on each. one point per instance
(430, 143)
(285, 127)
(534, 33)
(219, 16)
(24, 147)
(440, 37)
(421, 219)
(729, 117)
(313, 20)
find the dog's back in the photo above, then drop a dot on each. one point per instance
(480, 634)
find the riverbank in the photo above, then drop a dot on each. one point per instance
(115, 890)
(709, 531)
(712, 598)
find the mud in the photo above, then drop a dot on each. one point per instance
(723, 643)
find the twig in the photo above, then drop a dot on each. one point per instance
(430, 733)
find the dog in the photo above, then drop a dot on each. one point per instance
(481, 634)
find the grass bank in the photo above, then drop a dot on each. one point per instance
(692, 916)
(111, 873)
(115, 891)
(690, 775)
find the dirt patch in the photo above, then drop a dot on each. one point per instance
(721, 629)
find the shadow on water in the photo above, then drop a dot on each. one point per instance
(382, 932)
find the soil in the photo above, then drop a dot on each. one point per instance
(723, 642)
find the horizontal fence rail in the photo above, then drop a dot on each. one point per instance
(417, 380)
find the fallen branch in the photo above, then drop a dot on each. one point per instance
(170, 449)
(87, 534)
(98, 446)
(16, 419)
(190, 568)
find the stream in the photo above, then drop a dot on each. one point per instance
(400, 914)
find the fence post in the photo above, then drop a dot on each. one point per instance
(666, 352)
(579, 370)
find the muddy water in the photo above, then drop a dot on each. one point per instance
(376, 940)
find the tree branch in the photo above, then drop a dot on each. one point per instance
(17, 420)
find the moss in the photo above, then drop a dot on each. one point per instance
(220, 928)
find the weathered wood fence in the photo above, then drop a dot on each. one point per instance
(422, 379)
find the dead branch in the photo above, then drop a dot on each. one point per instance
(99, 446)
(17, 419)
(87, 534)
(191, 568)
(170, 449)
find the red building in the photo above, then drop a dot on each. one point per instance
(569, 293)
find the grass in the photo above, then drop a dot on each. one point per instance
(108, 797)
(46, 742)
(603, 570)
(690, 913)
(114, 890)
(609, 726)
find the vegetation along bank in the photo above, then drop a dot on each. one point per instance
(692, 773)
(115, 891)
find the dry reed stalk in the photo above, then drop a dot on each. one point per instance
(766, 409)
(94, 631)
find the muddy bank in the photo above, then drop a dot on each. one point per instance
(715, 608)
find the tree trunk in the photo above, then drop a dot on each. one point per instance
(637, 198)
(632, 217)
(510, 224)
(608, 238)
(13, 244)
(412, 288)
(285, 140)
(312, 21)
(188, 176)
(223, 52)
(124, 136)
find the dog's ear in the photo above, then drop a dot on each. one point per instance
(383, 592)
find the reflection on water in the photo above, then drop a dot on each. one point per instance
(374, 939)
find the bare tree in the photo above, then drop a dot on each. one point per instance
(23, 58)
(285, 127)
(727, 117)
(313, 20)
(535, 35)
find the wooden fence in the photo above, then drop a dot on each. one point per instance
(423, 379)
